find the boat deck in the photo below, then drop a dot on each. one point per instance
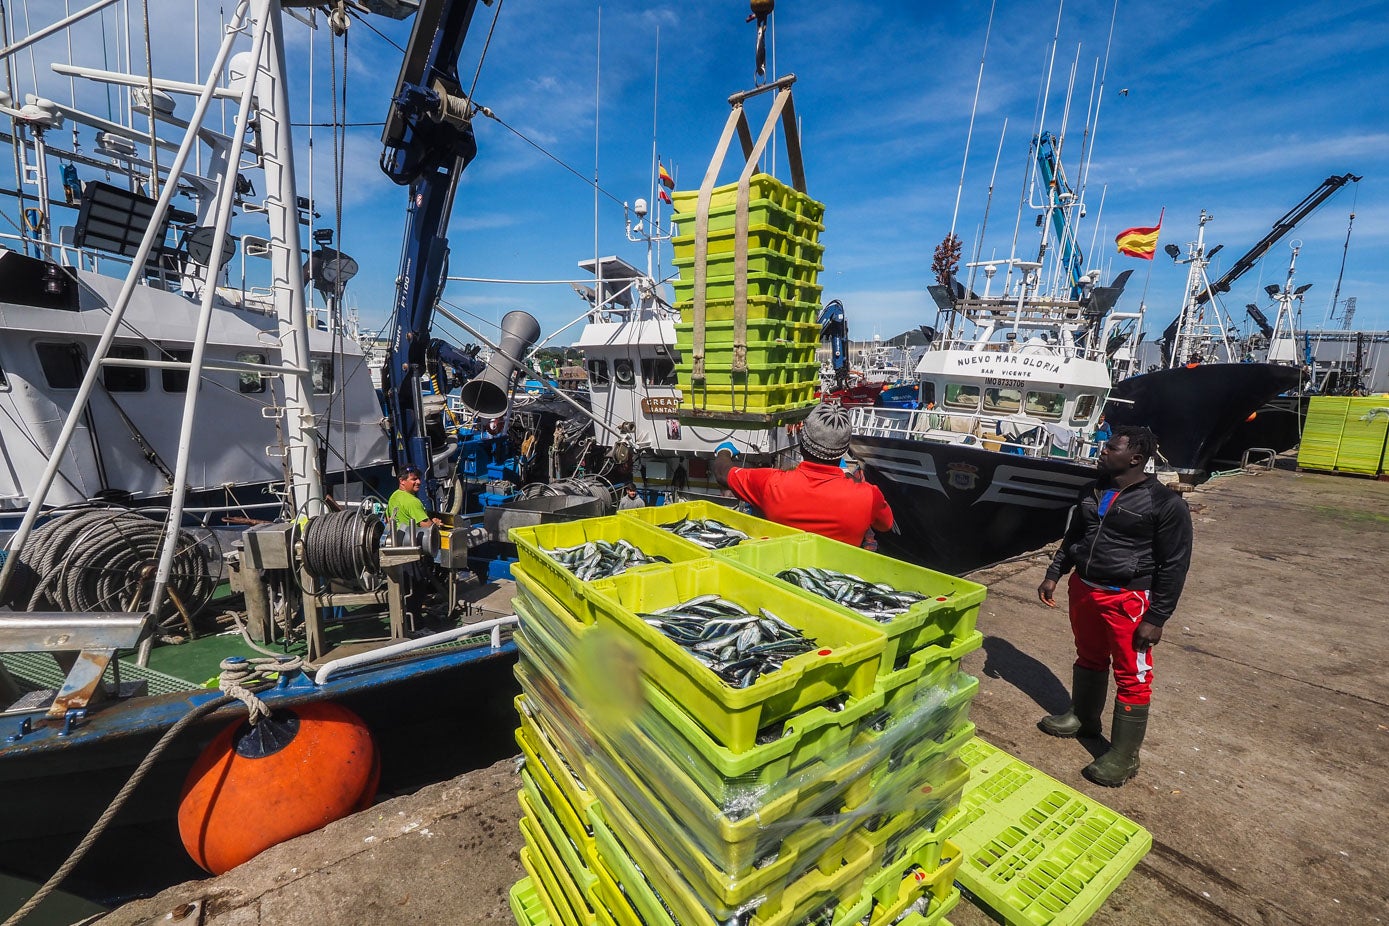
(1261, 781)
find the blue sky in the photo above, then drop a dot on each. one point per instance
(1239, 108)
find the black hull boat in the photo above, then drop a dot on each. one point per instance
(1276, 426)
(962, 506)
(1193, 410)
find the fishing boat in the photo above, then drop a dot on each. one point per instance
(1011, 390)
(1209, 383)
(87, 702)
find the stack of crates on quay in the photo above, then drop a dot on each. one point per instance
(654, 793)
(781, 302)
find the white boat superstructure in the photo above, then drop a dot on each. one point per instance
(71, 262)
(1031, 379)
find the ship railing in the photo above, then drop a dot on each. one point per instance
(1012, 435)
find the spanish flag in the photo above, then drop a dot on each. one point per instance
(667, 180)
(1140, 242)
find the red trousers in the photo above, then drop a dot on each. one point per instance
(1103, 622)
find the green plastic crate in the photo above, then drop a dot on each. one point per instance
(760, 285)
(779, 236)
(1037, 852)
(718, 374)
(568, 858)
(563, 584)
(526, 906)
(769, 334)
(949, 611)
(555, 778)
(631, 853)
(757, 357)
(569, 896)
(547, 890)
(932, 668)
(1362, 444)
(740, 398)
(845, 663)
(759, 308)
(927, 866)
(761, 262)
(757, 529)
(1321, 433)
(762, 188)
(762, 212)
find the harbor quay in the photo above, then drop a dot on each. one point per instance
(1262, 780)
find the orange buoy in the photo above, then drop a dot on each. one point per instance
(256, 786)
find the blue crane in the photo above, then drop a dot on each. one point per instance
(428, 143)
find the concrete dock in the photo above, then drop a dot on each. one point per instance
(1263, 779)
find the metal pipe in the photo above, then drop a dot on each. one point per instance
(195, 365)
(495, 625)
(132, 80)
(89, 381)
(56, 27)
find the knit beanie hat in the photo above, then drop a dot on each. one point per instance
(825, 435)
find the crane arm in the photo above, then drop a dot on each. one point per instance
(1059, 196)
(428, 142)
(1280, 228)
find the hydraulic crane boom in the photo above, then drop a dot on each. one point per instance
(428, 142)
(1280, 228)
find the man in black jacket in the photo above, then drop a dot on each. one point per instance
(1129, 542)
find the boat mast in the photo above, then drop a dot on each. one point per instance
(1195, 338)
(1282, 344)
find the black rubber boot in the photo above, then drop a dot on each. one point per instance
(1121, 762)
(1088, 690)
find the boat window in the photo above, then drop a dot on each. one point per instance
(598, 372)
(1000, 399)
(1085, 407)
(1045, 404)
(63, 364)
(928, 393)
(321, 372)
(658, 372)
(622, 372)
(176, 380)
(125, 379)
(250, 383)
(961, 395)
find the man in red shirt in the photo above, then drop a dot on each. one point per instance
(817, 495)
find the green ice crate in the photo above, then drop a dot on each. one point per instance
(921, 774)
(760, 186)
(1321, 432)
(764, 333)
(562, 852)
(547, 889)
(1037, 852)
(560, 882)
(780, 236)
(758, 357)
(631, 852)
(759, 308)
(612, 898)
(761, 262)
(930, 667)
(760, 286)
(757, 529)
(906, 831)
(717, 374)
(526, 906)
(744, 399)
(1363, 441)
(927, 865)
(531, 542)
(949, 610)
(553, 778)
(845, 662)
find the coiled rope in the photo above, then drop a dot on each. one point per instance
(343, 545)
(102, 560)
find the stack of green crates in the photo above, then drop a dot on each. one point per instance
(783, 299)
(1346, 435)
(656, 795)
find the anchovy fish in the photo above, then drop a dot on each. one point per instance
(877, 600)
(706, 532)
(601, 559)
(735, 644)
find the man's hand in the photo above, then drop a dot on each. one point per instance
(1146, 635)
(1047, 592)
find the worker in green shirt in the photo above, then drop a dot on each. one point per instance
(406, 509)
(405, 505)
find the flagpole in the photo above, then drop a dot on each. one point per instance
(1149, 275)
